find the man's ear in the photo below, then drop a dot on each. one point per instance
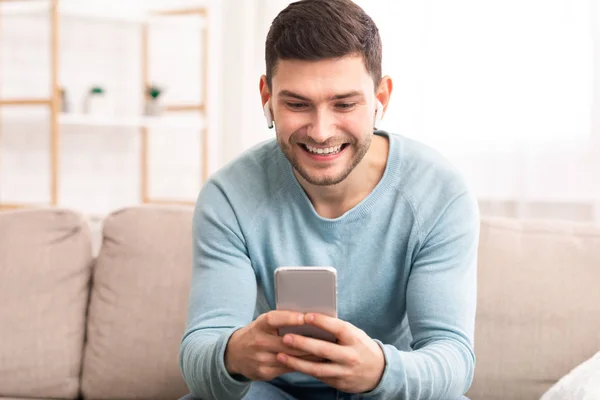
(265, 96)
(263, 88)
(384, 92)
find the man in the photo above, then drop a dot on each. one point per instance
(394, 219)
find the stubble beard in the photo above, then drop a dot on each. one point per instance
(360, 149)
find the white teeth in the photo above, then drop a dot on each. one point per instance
(326, 150)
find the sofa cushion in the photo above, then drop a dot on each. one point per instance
(45, 266)
(138, 305)
(538, 310)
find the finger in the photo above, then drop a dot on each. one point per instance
(315, 369)
(274, 320)
(273, 343)
(312, 358)
(270, 365)
(318, 348)
(293, 352)
(267, 373)
(340, 329)
(268, 360)
(271, 361)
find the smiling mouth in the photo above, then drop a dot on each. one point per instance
(324, 151)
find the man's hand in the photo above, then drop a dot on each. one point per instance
(252, 350)
(356, 362)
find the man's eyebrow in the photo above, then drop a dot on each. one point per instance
(288, 93)
(346, 95)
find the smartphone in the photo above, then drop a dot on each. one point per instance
(307, 289)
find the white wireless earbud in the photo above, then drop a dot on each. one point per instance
(378, 114)
(268, 114)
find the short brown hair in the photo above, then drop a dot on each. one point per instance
(320, 29)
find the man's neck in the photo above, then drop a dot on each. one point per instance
(333, 201)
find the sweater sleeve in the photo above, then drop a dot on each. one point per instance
(222, 297)
(441, 305)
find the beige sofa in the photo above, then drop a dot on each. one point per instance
(108, 327)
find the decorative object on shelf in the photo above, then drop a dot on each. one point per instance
(65, 106)
(95, 101)
(153, 106)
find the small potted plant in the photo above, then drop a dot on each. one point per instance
(153, 106)
(94, 101)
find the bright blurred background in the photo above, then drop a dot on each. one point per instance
(508, 91)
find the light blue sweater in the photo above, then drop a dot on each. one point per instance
(406, 259)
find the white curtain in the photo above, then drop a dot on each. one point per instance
(508, 90)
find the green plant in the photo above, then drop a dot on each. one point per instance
(154, 91)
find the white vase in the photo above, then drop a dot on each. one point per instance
(95, 104)
(153, 107)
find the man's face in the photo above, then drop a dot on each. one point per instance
(324, 113)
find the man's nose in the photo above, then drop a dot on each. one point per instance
(321, 127)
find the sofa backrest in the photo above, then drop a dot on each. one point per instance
(45, 266)
(138, 305)
(538, 311)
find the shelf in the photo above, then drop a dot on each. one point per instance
(21, 206)
(195, 122)
(26, 102)
(140, 19)
(76, 10)
(131, 122)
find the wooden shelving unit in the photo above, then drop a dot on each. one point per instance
(144, 123)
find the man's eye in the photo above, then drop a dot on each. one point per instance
(345, 106)
(297, 106)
